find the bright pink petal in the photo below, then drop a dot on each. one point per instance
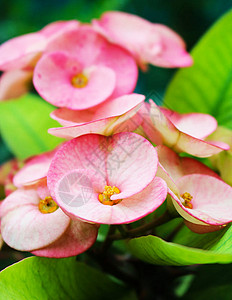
(91, 210)
(148, 42)
(110, 108)
(195, 124)
(91, 48)
(56, 29)
(24, 227)
(77, 238)
(14, 84)
(21, 52)
(53, 75)
(212, 199)
(35, 169)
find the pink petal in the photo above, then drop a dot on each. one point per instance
(110, 108)
(22, 51)
(24, 227)
(91, 48)
(177, 166)
(14, 84)
(197, 125)
(212, 199)
(85, 152)
(126, 122)
(35, 169)
(111, 158)
(131, 157)
(78, 237)
(56, 29)
(165, 132)
(197, 147)
(128, 210)
(53, 75)
(148, 42)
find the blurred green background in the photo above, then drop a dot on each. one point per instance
(190, 18)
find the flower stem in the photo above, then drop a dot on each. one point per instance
(142, 229)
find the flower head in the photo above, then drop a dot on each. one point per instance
(108, 180)
(149, 43)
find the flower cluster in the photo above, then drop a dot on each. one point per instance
(124, 156)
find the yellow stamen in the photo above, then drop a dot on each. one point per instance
(47, 205)
(187, 200)
(79, 81)
(104, 197)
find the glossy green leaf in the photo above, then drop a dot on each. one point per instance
(157, 251)
(45, 278)
(207, 85)
(24, 123)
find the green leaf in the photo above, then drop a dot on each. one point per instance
(154, 250)
(45, 278)
(211, 282)
(207, 86)
(24, 123)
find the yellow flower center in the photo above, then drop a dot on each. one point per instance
(187, 200)
(104, 197)
(47, 205)
(79, 81)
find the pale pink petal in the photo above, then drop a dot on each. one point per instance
(110, 108)
(148, 42)
(53, 75)
(127, 122)
(197, 125)
(212, 199)
(92, 210)
(14, 84)
(85, 152)
(165, 132)
(197, 147)
(78, 237)
(91, 48)
(177, 166)
(131, 164)
(24, 227)
(22, 51)
(35, 169)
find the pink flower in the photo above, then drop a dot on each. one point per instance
(198, 194)
(35, 224)
(182, 133)
(32, 221)
(24, 51)
(148, 42)
(106, 180)
(82, 69)
(112, 116)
